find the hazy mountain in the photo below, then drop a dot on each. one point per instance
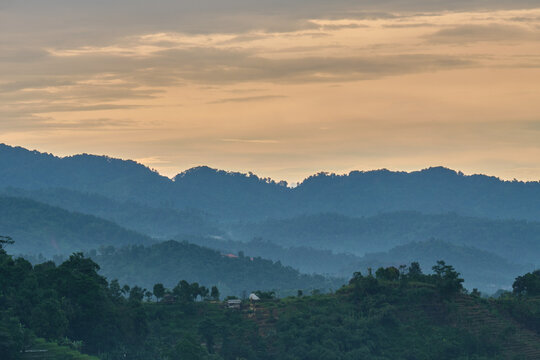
(118, 179)
(40, 228)
(481, 269)
(306, 259)
(171, 261)
(515, 240)
(155, 222)
(234, 196)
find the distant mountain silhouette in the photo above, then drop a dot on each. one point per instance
(43, 229)
(234, 196)
(516, 240)
(156, 222)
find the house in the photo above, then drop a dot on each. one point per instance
(253, 297)
(234, 304)
(168, 299)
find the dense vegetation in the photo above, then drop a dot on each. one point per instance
(390, 314)
(49, 230)
(306, 259)
(481, 269)
(236, 196)
(170, 261)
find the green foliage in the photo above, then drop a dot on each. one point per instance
(5, 240)
(392, 314)
(159, 290)
(214, 294)
(266, 295)
(171, 261)
(67, 301)
(528, 284)
(447, 279)
(188, 349)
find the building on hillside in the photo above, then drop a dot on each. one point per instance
(168, 299)
(253, 297)
(234, 304)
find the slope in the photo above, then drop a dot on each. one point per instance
(40, 228)
(481, 269)
(515, 240)
(156, 222)
(172, 261)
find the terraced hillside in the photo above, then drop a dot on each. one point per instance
(43, 350)
(481, 324)
(485, 319)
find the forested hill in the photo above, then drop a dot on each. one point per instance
(230, 195)
(516, 240)
(388, 314)
(171, 261)
(117, 178)
(40, 228)
(156, 222)
(480, 269)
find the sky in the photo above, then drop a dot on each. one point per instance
(281, 88)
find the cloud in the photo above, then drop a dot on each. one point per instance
(248, 99)
(30, 122)
(490, 32)
(252, 141)
(408, 25)
(230, 66)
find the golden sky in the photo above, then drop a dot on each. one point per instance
(284, 88)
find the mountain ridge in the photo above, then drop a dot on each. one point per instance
(233, 195)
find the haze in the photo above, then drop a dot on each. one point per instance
(281, 88)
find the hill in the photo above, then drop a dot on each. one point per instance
(234, 196)
(481, 269)
(387, 315)
(515, 240)
(40, 228)
(306, 259)
(171, 261)
(155, 222)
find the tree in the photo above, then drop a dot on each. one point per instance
(184, 291)
(415, 272)
(204, 292)
(266, 295)
(528, 284)
(214, 293)
(115, 290)
(188, 349)
(447, 279)
(5, 240)
(136, 294)
(390, 273)
(208, 329)
(159, 291)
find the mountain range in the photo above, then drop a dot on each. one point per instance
(328, 224)
(233, 196)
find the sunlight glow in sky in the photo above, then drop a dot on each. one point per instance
(283, 89)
